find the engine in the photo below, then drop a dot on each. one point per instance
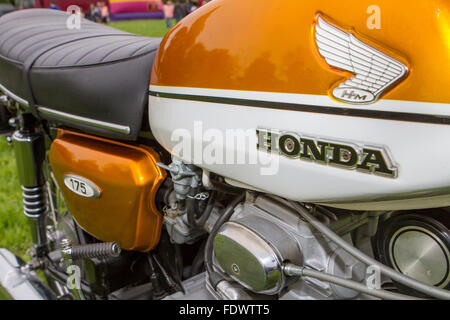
(263, 234)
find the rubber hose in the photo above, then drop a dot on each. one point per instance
(207, 212)
(391, 273)
(192, 209)
(214, 276)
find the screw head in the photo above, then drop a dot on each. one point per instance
(235, 268)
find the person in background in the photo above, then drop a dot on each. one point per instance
(179, 11)
(193, 7)
(53, 6)
(187, 7)
(90, 12)
(168, 13)
(104, 11)
(97, 13)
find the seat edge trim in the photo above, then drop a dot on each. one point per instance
(86, 121)
(70, 117)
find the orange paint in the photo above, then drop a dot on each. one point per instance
(263, 45)
(128, 179)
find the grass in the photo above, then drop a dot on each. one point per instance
(148, 28)
(14, 228)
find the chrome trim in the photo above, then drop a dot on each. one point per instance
(67, 116)
(29, 149)
(259, 254)
(86, 121)
(13, 96)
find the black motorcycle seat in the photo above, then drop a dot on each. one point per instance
(94, 78)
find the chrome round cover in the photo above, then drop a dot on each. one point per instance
(420, 254)
(248, 258)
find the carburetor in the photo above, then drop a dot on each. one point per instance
(185, 178)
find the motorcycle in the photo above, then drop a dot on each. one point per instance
(284, 150)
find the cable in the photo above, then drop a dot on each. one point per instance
(157, 291)
(214, 276)
(293, 270)
(397, 276)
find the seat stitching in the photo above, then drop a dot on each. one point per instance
(115, 49)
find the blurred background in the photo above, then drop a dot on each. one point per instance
(146, 17)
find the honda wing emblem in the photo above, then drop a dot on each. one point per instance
(374, 71)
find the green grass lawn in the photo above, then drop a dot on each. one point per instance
(149, 28)
(14, 228)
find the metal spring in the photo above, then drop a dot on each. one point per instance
(34, 201)
(95, 250)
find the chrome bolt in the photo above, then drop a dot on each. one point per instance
(115, 249)
(13, 122)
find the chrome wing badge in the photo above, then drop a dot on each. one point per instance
(374, 71)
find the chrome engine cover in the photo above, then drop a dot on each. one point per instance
(252, 260)
(270, 233)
